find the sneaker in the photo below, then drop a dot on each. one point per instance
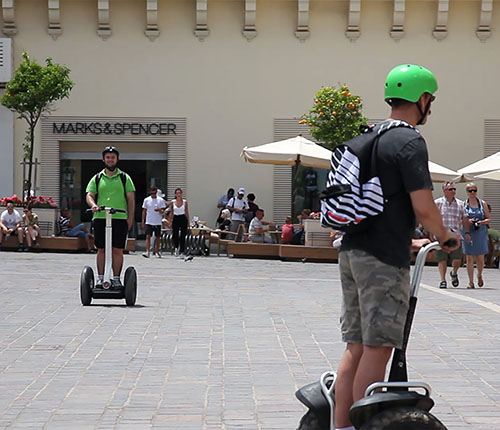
(454, 279)
(442, 284)
(158, 255)
(176, 252)
(21, 248)
(146, 255)
(98, 283)
(37, 245)
(116, 283)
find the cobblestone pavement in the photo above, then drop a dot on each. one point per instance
(217, 343)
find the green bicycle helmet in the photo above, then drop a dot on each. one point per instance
(409, 82)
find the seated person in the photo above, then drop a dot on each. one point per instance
(287, 231)
(298, 233)
(225, 224)
(67, 229)
(10, 223)
(257, 230)
(31, 227)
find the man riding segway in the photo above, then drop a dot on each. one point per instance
(111, 188)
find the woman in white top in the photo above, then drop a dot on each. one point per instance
(179, 216)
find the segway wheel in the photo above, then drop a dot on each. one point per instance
(86, 285)
(403, 418)
(313, 421)
(130, 286)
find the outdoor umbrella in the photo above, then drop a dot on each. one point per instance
(443, 174)
(493, 175)
(485, 165)
(291, 152)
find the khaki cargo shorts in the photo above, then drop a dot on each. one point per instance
(454, 255)
(375, 300)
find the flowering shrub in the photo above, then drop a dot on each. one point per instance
(33, 201)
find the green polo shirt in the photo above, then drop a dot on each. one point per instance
(111, 193)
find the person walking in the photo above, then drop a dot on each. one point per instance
(453, 213)
(112, 188)
(477, 217)
(375, 264)
(179, 218)
(152, 210)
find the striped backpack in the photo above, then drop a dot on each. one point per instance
(354, 193)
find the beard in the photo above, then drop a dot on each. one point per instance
(111, 167)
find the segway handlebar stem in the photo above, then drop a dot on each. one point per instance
(376, 385)
(420, 262)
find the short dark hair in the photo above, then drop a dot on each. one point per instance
(153, 188)
(251, 196)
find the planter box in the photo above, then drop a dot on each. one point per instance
(318, 238)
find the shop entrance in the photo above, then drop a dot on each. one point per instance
(76, 174)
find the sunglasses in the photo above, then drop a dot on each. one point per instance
(433, 98)
(451, 189)
(472, 191)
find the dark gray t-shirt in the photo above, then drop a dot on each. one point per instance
(402, 164)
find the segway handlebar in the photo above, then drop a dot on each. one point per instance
(420, 262)
(111, 210)
(371, 388)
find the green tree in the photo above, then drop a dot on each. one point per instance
(335, 117)
(32, 92)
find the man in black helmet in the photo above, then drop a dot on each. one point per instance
(112, 188)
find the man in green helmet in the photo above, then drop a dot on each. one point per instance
(374, 264)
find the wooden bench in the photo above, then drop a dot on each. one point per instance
(253, 250)
(313, 253)
(60, 243)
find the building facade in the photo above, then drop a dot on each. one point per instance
(181, 86)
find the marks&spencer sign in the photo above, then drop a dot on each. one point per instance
(114, 128)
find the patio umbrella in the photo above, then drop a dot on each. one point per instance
(291, 152)
(443, 174)
(485, 165)
(493, 175)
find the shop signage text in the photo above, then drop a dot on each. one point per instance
(117, 128)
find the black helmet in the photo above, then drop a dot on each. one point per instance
(110, 150)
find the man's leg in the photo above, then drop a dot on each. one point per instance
(117, 261)
(148, 244)
(442, 269)
(371, 368)
(157, 239)
(30, 235)
(344, 397)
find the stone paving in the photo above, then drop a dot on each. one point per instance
(217, 343)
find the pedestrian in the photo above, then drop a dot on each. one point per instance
(453, 214)
(179, 218)
(111, 188)
(10, 224)
(375, 264)
(152, 210)
(239, 207)
(222, 203)
(31, 227)
(477, 214)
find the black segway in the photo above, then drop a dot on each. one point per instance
(387, 405)
(88, 289)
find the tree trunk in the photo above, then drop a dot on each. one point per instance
(32, 148)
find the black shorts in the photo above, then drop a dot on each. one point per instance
(120, 231)
(150, 229)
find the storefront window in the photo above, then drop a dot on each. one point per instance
(310, 183)
(76, 174)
